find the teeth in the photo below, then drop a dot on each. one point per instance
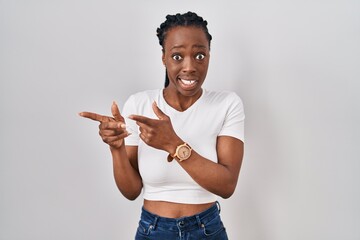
(187, 82)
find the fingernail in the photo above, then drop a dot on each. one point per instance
(80, 114)
(122, 125)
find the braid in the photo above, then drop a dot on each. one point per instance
(186, 19)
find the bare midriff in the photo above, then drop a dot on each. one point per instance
(174, 210)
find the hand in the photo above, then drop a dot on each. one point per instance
(157, 133)
(111, 129)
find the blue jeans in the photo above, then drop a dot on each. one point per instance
(206, 225)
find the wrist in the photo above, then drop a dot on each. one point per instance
(182, 153)
(115, 149)
(172, 148)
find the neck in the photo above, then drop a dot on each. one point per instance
(178, 101)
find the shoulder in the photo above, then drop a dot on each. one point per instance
(223, 97)
(147, 94)
(141, 100)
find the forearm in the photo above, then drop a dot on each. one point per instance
(214, 177)
(126, 176)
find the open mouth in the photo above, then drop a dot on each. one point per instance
(187, 83)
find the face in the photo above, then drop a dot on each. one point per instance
(186, 57)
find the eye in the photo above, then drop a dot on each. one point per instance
(176, 57)
(200, 56)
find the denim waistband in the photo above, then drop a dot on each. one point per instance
(183, 223)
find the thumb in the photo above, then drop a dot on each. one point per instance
(116, 112)
(158, 112)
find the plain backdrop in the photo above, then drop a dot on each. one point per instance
(295, 64)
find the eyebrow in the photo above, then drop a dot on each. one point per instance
(194, 46)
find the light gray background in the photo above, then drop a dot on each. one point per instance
(296, 65)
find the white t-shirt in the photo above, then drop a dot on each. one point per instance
(213, 114)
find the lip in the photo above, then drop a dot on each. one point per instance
(187, 83)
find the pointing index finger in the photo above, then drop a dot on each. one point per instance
(141, 119)
(95, 116)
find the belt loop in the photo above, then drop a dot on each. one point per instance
(218, 206)
(198, 221)
(155, 222)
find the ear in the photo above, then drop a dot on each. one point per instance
(163, 57)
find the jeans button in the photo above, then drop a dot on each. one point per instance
(181, 224)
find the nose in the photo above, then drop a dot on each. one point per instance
(188, 65)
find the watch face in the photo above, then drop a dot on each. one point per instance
(184, 152)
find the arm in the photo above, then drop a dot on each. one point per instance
(113, 131)
(126, 171)
(219, 178)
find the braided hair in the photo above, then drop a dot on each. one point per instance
(186, 19)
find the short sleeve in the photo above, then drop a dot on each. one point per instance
(128, 109)
(234, 120)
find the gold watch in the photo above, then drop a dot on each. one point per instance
(182, 153)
